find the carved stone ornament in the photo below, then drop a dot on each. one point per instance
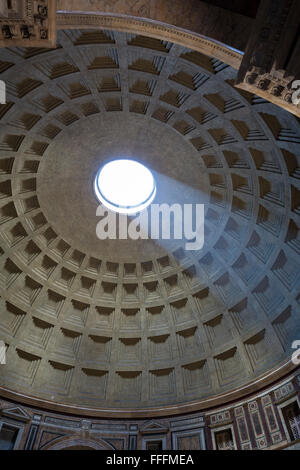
(270, 67)
(28, 23)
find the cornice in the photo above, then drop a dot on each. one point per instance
(209, 47)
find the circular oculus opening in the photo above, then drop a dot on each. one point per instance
(125, 186)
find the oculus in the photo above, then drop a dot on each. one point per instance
(125, 186)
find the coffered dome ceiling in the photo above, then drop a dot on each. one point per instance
(142, 324)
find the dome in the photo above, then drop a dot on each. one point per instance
(137, 325)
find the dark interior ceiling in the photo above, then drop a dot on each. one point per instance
(246, 7)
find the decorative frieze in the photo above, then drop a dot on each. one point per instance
(28, 23)
(270, 65)
(283, 392)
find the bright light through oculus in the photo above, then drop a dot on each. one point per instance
(125, 186)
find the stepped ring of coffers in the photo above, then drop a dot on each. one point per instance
(112, 327)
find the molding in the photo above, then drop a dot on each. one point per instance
(70, 441)
(16, 413)
(135, 25)
(153, 428)
(284, 445)
(220, 425)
